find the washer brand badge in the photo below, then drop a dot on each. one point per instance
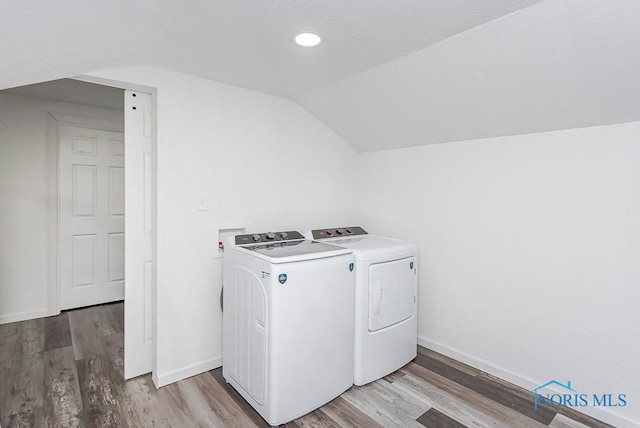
(266, 274)
(282, 278)
(350, 267)
(410, 265)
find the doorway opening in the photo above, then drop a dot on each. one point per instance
(96, 224)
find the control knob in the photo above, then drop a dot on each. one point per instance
(271, 235)
(339, 231)
(256, 238)
(284, 235)
(329, 233)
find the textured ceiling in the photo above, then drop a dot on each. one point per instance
(390, 74)
(241, 42)
(558, 64)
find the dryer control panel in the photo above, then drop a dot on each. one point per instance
(338, 232)
(256, 238)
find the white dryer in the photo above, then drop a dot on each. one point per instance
(287, 322)
(386, 318)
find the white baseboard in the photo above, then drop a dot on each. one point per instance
(522, 381)
(165, 379)
(23, 316)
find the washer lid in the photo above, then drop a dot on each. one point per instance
(291, 251)
(372, 246)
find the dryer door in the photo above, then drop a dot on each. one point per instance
(391, 292)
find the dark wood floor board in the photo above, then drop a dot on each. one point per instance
(4, 397)
(566, 411)
(57, 333)
(24, 339)
(62, 398)
(525, 395)
(471, 371)
(487, 406)
(8, 340)
(23, 390)
(32, 337)
(448, 404)
(237, 398)
(388, 408)
(106, 320)
(317, 419)
(99, 384)
(27, 419)
(84, 335)
(512, 397)
(211, 405)
(434, 419)
(113, 347)
(117, 309)
(443, 369)
(347, 415)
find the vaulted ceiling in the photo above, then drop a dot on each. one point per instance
(389, 73)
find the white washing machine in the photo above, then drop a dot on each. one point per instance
(287, 322)
(386, 318)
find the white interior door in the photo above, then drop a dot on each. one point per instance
(140, 232)
(91, 209)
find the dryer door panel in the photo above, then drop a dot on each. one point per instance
(391, 292)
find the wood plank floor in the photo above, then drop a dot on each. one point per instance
(66, 371)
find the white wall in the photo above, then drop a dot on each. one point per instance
(261, 162)
(23, 204)
(530, 251)
(24, 193)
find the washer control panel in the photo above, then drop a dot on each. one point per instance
(338, 232)
(256, 238)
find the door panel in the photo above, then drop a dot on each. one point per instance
(84, 184)
(91, 195)
(116, 147)
(84, 146)
(140, 231)
(116, 257)
(391, 293)
(116, 195)
(84, 260)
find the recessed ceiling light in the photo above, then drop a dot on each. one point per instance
(308, 39)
